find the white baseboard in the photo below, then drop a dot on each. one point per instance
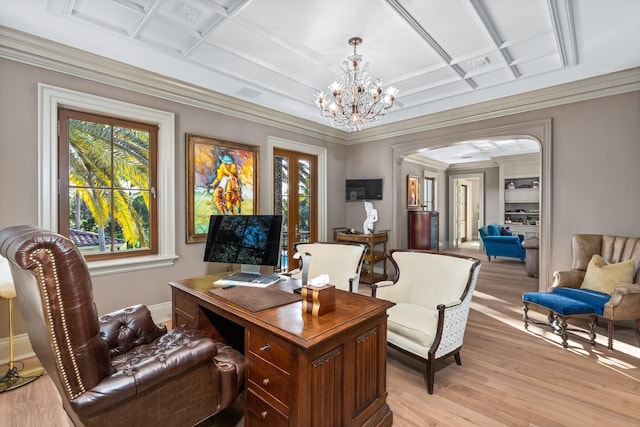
(161, 313)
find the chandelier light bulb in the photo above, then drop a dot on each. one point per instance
(357, 101)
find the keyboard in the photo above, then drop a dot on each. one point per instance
(240, 278)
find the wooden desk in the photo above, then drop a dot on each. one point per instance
(301, 370)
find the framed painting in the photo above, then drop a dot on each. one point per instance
(221, 180)
(413, 191)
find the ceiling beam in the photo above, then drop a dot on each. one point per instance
(492, 30)
(564, 30)
(395, 4)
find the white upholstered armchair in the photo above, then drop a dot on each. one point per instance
(342, 262)
(432, 292)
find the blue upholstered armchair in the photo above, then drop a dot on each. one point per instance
(500, 245)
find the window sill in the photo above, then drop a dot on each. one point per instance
(102, 268)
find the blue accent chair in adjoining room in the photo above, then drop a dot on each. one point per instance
(496, 244)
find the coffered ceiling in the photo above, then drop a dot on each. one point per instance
(440, 54)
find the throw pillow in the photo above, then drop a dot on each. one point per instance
(493, 230)
(505, 231)
(604, 277)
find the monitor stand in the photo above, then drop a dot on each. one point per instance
(248, 268)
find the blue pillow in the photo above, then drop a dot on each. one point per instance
(505, 231)
(493, 229)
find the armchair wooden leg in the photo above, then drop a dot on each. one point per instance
(457, 357)
(430, 375)
(610, 335)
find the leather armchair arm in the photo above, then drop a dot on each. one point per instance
(230, 364)
(624, 303)
(567, 279)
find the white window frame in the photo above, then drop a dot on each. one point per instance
(434, 176)
(49, 99)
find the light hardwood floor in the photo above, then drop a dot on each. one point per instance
(508, 377)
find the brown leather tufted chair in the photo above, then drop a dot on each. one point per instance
(119, 369)
(625, 300)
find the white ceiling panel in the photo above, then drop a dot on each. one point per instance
(277, 53)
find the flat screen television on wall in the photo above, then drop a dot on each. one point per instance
(364, 189)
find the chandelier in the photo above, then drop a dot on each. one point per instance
(357, 101)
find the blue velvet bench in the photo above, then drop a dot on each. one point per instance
(561, 305)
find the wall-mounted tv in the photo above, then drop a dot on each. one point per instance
(364, 189)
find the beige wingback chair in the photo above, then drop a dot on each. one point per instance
(625, 300)
(342, 262)
(432, 292)
(120, 369)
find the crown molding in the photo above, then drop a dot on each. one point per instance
(480, 164)
(567, 93)
(32, 50)
(427, 161)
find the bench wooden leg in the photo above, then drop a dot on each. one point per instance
(563, 331)
(526, 315)
(593, 321)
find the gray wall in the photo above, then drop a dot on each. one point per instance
(19, 173)
(594, 172)
(594, 155)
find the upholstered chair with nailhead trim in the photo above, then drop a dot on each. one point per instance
(120, 369)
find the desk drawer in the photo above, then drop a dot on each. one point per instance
(260, 413)
(269, 379)
(183, 303)
(271, 349)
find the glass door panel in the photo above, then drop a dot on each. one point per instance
(294, 170)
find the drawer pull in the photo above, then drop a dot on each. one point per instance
(265, 347)
(264, 414)
(266, 381)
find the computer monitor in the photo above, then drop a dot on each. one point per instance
(248, 240)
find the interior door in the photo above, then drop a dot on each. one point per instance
(296, 198)
(462, 213)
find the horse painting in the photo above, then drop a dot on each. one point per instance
(228, 198)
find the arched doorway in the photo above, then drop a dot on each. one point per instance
(539, 131)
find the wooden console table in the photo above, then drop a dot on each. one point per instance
(373, 255)
(301, 370)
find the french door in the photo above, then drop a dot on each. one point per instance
(296, 198)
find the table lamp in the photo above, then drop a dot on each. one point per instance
(17, 375)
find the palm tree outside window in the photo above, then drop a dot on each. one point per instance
(107, 170)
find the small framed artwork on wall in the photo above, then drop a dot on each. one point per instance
(413, 191)
(221, 180)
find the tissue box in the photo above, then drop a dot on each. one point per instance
(318, 300)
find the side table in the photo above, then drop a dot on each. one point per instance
(376, 253)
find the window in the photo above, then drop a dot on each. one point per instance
(107, 203)
(52, 98)
(429, 192)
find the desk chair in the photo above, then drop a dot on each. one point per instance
(342, 262)
(121, 368)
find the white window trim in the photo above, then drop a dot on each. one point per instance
(49, 99)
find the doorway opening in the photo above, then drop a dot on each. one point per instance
(466, 209)
(538, 130)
